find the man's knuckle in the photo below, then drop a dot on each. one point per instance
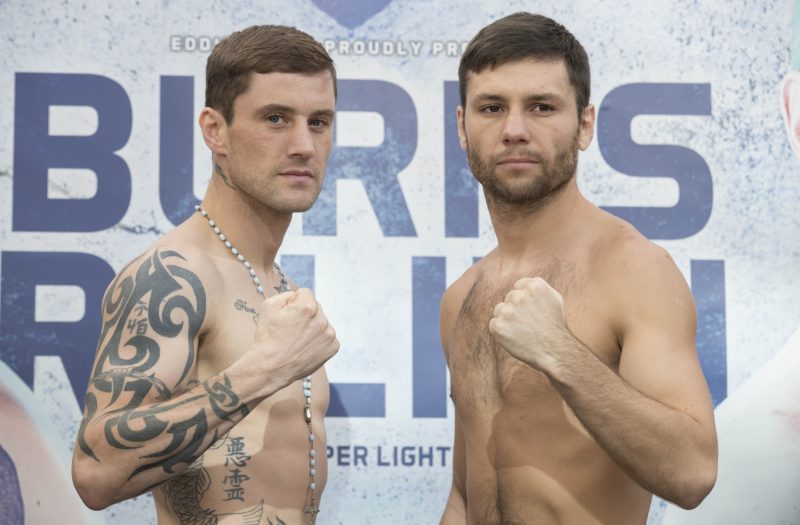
(308, 308)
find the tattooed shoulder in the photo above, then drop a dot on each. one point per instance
(157, 298)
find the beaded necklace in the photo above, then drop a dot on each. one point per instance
(312, 510)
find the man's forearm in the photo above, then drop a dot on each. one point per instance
(665, 450)
(129, 450)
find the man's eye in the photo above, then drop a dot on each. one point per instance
(494, 108)
(275, 119)
(317, 123)
(543, 108)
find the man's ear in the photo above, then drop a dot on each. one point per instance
(462, 131)
(214, 130)
(790, 107)
(586, 131)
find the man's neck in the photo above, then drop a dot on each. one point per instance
(252, 228)
(530, 230)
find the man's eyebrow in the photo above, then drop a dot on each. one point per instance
(489, 97)
(544, 97)
(280, 108)
(327, 113)
(276, 108)
(536, 97)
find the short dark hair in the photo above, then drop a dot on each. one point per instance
(526, 35)
(260, 49)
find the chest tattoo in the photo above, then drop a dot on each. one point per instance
(242, 306)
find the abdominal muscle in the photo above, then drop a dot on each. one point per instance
(256, 474)
(529, 460)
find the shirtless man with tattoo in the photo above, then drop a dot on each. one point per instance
(571, 346)
(207, 386)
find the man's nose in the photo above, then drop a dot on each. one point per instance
(515, 129)
(301, 143)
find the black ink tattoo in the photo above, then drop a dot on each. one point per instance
(149, 301)
(130, 427)
(173, 299)
(224, 400)
(236, 455)
(140, 325)
(236, 491)
(242, 306)
(185, 491)
(161, 300)
(235, 461)
(164, 287)
(116, 382)
(218, 171)
(278, 521)
(192, 383)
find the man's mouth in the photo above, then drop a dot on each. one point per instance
(297, 173)
(518, 162)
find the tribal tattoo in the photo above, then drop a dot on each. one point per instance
(161, 301)
(130, 427)
(224, 400)
(157, 294)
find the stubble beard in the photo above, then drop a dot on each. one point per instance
(269, 195)
(273, 199)
(555, 173)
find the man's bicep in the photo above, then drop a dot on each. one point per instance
(659, 356)
(152, 316)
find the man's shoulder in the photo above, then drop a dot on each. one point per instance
(173, 256)
(458, 290)
(618, 244)
(455, 294)
(631, 265)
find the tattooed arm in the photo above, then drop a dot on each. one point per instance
(145, 418)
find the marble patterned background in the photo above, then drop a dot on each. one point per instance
(381, 247)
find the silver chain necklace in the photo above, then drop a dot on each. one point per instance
(312, 510)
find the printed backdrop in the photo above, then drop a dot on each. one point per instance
(100, 155)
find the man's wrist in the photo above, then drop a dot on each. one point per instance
(567, 354)
(253, 383)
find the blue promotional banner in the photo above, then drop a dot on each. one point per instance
(101, 155)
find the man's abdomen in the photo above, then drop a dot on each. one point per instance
(530, 461)
(258, 471)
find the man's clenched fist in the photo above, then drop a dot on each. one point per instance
(530, 323)
(293, 337)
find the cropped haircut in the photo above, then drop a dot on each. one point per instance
(260, 49)
(522, 36)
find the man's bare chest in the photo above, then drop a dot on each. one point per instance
(483, 374)
(236, 314)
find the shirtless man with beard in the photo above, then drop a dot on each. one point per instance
(207, 387)
(571, 346)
